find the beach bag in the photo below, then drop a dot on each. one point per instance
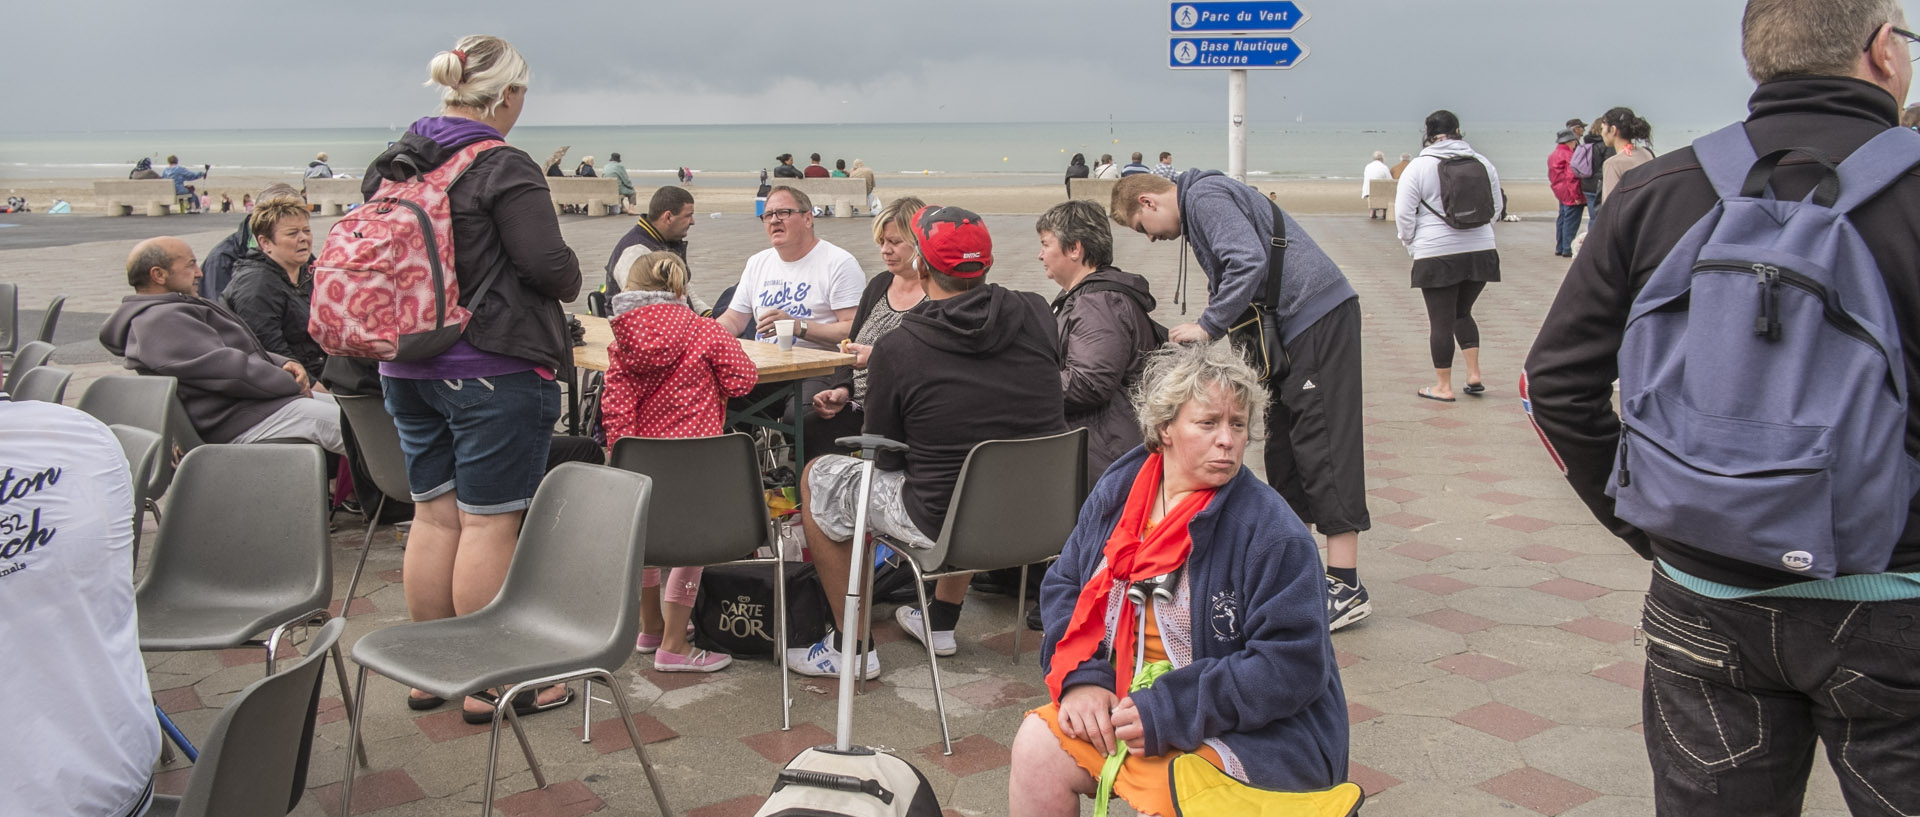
(733, 612)
(1582, 162)
(1767, 425)
(384, 285)
(1256, 334)
(1466, 193)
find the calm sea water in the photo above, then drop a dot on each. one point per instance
(970, 154)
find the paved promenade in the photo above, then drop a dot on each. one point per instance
(1497, 675)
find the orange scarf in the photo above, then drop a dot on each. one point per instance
(1129, 559)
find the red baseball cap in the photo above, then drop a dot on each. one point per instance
(953, 241)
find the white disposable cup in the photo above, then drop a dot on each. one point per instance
(783, 333)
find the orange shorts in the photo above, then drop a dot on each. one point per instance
(1143, 781)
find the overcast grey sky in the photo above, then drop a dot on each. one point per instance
(117, 64)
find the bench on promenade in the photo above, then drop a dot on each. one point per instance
(1098, 191)
(1380, 198)
(122, 196)
(594, 195)
(334, 196)
(837, 195)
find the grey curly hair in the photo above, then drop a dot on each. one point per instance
(1178, 373)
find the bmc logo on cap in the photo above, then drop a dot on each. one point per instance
(1797, 560)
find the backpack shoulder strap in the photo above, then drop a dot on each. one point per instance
(1876, 166)
(1726, 155)
(446, 174)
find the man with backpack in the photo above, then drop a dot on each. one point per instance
(1315, 457)
(1772, 480)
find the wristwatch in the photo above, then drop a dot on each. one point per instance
(800, 330)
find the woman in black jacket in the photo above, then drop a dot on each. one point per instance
(1077, 169)
(272, 284)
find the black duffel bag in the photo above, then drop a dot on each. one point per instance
(733, 613)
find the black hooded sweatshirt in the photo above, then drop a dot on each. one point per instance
(981, 365)
(502, 220)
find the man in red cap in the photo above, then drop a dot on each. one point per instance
(977, 362)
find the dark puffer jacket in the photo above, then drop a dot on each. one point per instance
(1105, 336)
(275, 308)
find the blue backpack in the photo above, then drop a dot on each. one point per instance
(1769, 425)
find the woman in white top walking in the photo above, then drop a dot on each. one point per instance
(1450, 266)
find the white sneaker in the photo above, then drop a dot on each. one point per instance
(909, 618)
(822, 660)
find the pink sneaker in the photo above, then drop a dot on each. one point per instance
(647, 644)
(700, 661)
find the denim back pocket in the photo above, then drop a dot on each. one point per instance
(464, 394)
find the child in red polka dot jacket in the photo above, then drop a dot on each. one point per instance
(669, 374)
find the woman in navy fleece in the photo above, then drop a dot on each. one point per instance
(1252, 685)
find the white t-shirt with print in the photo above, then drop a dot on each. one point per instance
(80, 736)
(810, 289)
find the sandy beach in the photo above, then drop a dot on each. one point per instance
(733, 193)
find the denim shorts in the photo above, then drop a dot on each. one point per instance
(484, 438)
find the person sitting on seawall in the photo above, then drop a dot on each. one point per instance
(585, 170)
(669, 374)
(1245, 601)
(839, 169)
(272, 284)
(839, 410)
(1105, 168)
(1077, 169)
(784, 168)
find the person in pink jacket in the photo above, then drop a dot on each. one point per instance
(1566, 189)
(669, 374)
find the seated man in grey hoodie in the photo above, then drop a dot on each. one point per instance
(233, 389)
(1315, 455)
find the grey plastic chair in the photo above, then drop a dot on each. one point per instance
(709, 509)
(52, 318)
(1015, 505)
(379, 442)
(9, 319)
(243, 550)
(142, 448)
(151, 402)
(31, 356)
(569, 609)
(47, 384)
(255, 760)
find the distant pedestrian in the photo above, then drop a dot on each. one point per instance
(1105, 168)
(318, 168)
(1632, 141)
(1597, 154)
(1376, 171)
(1077, 169)
(1566, 190)
(585, 170)
(861, 171)
(1165, 168)
(815, 170)
(183, 192)
(618, 172)
(246, 202)
(1450, 266)
(785, 169)
(1405, 159)
(226, 203)
(839, 169)
(143, 169)
(1134, 167)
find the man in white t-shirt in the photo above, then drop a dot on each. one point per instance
(77, 716)
(800, 278)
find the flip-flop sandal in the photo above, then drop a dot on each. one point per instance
(524, 704)
(1475, 389)
(1430, 396)
(424, 704)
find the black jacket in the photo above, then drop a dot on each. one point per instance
(982, 365)
(787, 171)
(1570, 372)
(1105, 336)
(644, 235)
(502, 220)
(275, 308)
(217, 268)
(1591, 184)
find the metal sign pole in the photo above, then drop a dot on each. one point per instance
(1237, 124)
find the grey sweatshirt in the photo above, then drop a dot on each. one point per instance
(1230, 226)
(228, 381)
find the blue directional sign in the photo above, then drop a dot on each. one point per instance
(1234, 52)
(1237, 16)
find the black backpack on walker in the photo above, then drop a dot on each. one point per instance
(842, 779)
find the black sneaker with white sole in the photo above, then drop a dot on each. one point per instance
(1346, 603)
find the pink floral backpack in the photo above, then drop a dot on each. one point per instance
(384, 286)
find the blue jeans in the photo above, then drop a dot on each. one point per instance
(1738, 690)
(1567, 227)
(483, 438)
